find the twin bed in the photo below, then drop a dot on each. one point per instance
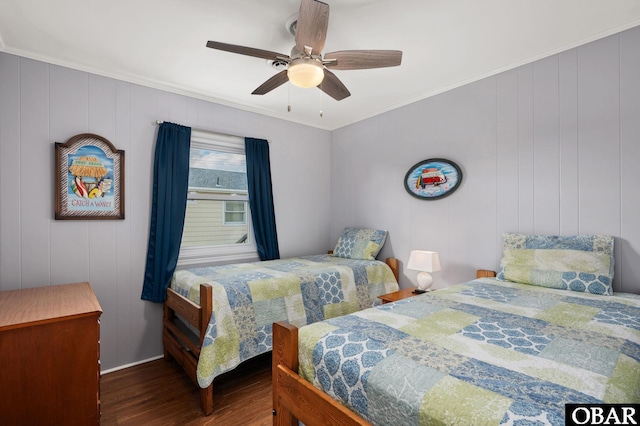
(508, 350)
(217, 317)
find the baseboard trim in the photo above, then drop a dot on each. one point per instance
(133, 364)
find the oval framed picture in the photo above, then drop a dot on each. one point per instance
(433, 179)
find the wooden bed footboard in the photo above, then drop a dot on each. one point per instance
(294, 398)
(180, 344)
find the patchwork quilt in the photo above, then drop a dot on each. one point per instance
(483, 352)
(249, 297)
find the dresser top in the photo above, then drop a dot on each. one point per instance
(44, 304)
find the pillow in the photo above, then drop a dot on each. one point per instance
(360, 243)
(582, 263)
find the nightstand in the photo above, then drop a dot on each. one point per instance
(398, 295)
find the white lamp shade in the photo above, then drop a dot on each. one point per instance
(421, 260)
(425, 262)
(305, 72)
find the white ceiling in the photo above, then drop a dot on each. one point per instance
(445, 43)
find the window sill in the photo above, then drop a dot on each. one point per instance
(193, 256)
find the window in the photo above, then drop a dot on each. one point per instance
(217, 220)
(235, 213)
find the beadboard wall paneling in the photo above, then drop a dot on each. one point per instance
(551, 147)
(525, 150)
(599, 137)
(41, 104)
(34, 188)
(568, 134)
(505, 209)
(10, 221)
(546, 142)
(629, 159)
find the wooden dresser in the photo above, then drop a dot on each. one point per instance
(49, 356)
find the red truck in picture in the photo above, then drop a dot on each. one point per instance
(431, 176)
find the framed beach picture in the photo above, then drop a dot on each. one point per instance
(89, 179)
(433, 179)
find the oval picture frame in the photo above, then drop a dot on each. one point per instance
(433, 179)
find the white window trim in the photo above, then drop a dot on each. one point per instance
(227, 253)
(190, 256)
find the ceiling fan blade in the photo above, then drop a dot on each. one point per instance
(363, 59)
(275, 81)
(333, 87)
(311, 28)
(249, 51)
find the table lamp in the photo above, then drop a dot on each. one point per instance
(425, 262)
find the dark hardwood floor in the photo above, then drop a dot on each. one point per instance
(160, 393)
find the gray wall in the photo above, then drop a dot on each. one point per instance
(41, 104)
(552, 147)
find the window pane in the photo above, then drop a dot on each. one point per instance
(234, 217)
(235, 206)
(203, 225)
(217, 171)
(214, 221)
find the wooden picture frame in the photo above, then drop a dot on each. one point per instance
(89, 181)
(433, 179)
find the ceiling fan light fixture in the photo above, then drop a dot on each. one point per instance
(305, 72)
(305, 66)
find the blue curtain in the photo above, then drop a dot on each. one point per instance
(170, 185)
(261, 198)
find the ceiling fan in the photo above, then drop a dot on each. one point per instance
(306, 67)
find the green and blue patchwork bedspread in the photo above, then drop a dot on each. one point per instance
(483, 352)
(249, 297)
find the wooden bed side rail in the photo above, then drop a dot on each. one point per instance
(296, 399)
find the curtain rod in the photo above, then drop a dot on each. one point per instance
(208, 131)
